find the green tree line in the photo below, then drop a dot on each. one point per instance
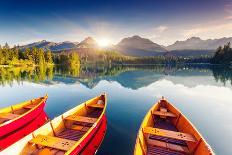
(223, 55)
(35, 56)
(30, 56)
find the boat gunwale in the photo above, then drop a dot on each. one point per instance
(95, 125)
(22, 104)
(180, 115)
(104, 119)
(22, 143)
(191, 124)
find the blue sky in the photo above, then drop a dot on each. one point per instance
(163, 21)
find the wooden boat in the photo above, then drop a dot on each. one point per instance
(69, 133)
(94, 144)
(166, 131)
(18, 134)
(16, 116)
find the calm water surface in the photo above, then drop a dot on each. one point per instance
(203, 94)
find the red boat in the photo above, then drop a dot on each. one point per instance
(13, 137)
(17, 116)
(78, 131)
(94, 144)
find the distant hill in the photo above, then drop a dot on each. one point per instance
(67, 45)
(196, 43)
(188, 53)
(88, 43)
(137, 46)
(51, 45)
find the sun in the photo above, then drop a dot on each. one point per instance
(103, 42)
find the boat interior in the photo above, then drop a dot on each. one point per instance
(12, 112)
(165, 131)
(62, 133)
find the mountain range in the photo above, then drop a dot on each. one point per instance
(138, 46)
(196, 43)
(67, 45)
(51, 45)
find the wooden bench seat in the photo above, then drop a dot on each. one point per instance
(30, 106)
(79, 127)
(8, 116)
(81, 119)
(169, 134)
(163, 109)
(168, 146)
(53, 142)
(162, 113)
(100, 106)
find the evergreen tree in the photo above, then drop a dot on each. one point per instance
(5, 51)
(28, 54)
(48, 57)
(223, 55)
(41, 57)
(1, 56)
(35, 55)
(74, 59)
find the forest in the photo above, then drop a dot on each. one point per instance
(38, 56)
(34, 56)
(223, 55)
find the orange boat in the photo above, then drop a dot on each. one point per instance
(166, 131)
(17, 116)
(69, 134)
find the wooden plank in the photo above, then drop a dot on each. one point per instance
(79, 127)
(163, 109)
(81, 119)
(30, 106)
(169, 134)
(8, 116)
(168, 146)
(100, 106)
(100, 102)
(53, 142)
(161, 113)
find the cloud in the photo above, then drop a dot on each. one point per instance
(228, 11)
(209, 30)
(160, 29)
(155, 33)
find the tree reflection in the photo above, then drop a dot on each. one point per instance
(222, 74)
(19, 74)
(90, 75)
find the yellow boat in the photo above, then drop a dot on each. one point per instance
(166, 131)
(68, 134)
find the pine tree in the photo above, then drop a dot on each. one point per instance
(223, 55)
(1, 56)
(41, 57)
(48, 57)
(5, 52)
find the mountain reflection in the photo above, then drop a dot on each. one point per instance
(129, 76)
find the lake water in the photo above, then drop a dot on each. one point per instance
(202, 93)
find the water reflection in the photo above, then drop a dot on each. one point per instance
(222, 74)
(202, 93)
(133, 77)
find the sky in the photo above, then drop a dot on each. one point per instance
(162, 21)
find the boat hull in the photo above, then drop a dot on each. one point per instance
(20, 122)
(95, 141)
(174, 123)
(13, 137)
(82, 127)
